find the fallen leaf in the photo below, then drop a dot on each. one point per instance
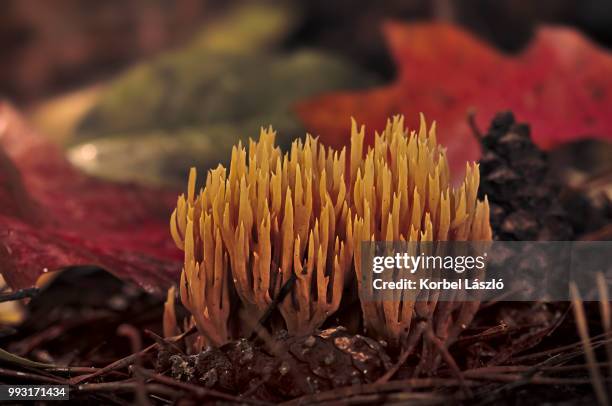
(190, 106)
(153, 157)
(201, 117)
(560, 85)
(52, 216)
(195, 83)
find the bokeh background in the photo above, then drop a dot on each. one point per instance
(48, 48)
(138, 90)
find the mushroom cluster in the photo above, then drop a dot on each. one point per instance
(303, 214)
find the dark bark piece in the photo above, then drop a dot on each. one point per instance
(325, 360)
(523, 192)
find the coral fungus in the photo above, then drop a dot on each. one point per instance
(275, 216)
(401, 192)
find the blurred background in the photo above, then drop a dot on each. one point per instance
(50, 47)
(164, 82)
(140, 90)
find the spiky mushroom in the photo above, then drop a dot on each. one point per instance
(272, 215)
(401, 192)
(204, 287)
(275, 216)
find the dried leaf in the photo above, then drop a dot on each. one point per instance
(52, 216)
(560, 84)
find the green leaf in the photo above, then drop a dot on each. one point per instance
(154, 132)
(190, 106)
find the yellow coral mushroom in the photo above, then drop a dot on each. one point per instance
(401, 192)
(275, 216)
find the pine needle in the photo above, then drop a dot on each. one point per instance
(581, 323)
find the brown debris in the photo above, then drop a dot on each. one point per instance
(274, 216)
(310, 364)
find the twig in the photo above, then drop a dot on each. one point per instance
(163, 342)
(521, 379)
(581, 324)
(494, 374)
(471, 119)
(198, 391)
(122, 363)
(16, 359)
(395, 398)
(517, 380)
(184, 334)
(606, 319)
(73, 370)
(596, 342)
(527, 341)
(503, 369)
(19, 294)
(129, 360)
(125, 386)
(450, 361)
(282, 293)
(51, 332)
(401, 385)
(136, 343)
(28, 376)
(489, 333)
(412, 342)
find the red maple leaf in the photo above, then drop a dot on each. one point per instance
(561, 85)
(53, 216)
